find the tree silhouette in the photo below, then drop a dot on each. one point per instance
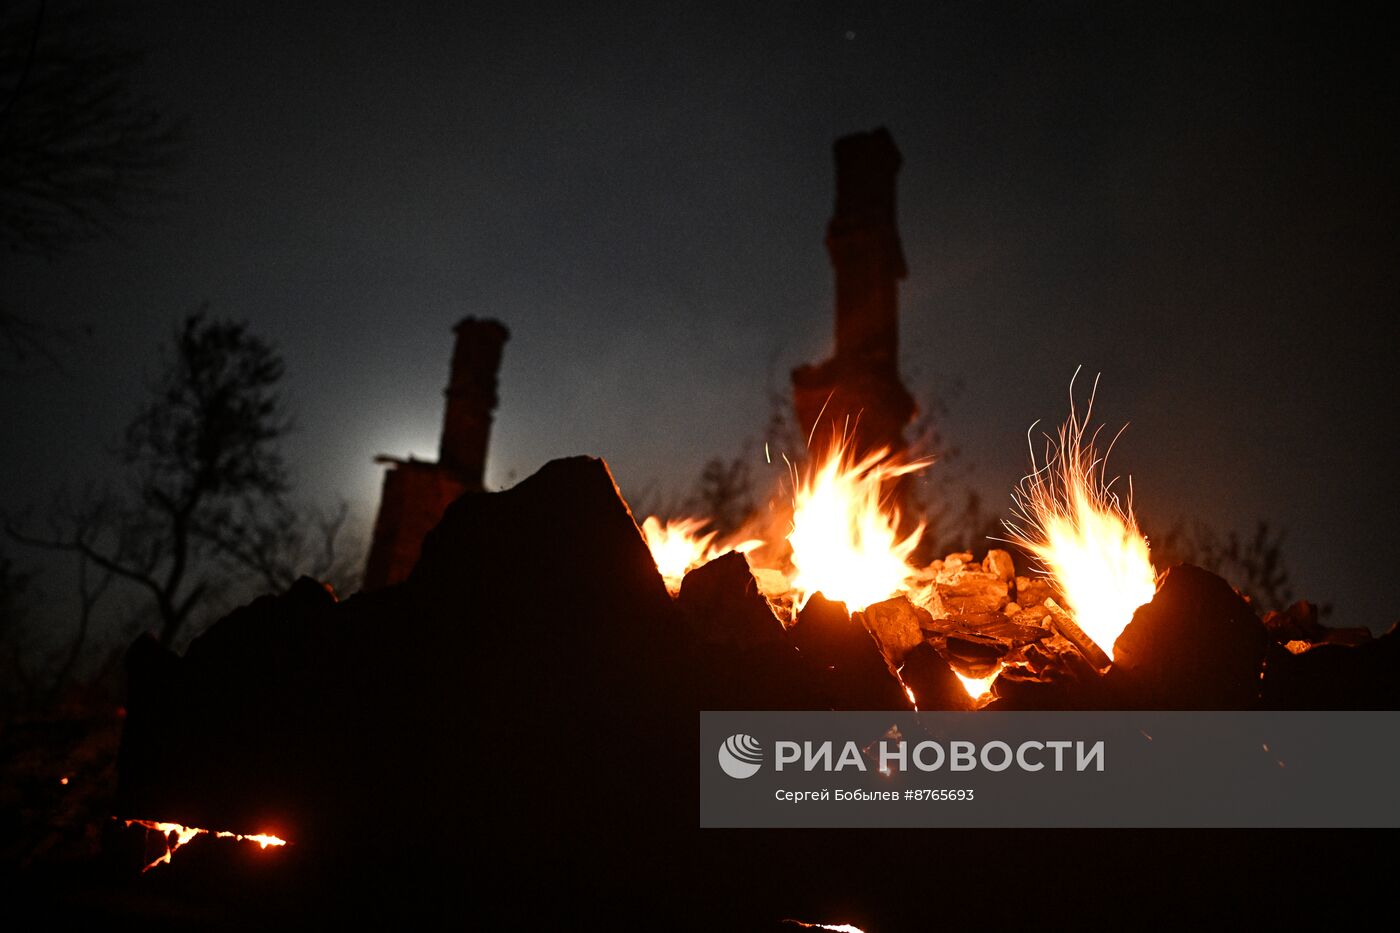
(205, 469)
(1254, 563)
(80, 150)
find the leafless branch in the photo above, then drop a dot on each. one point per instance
(80, 149)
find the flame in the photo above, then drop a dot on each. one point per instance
(845, 534)
(1068, 516)
(978, 687)
(184, 834)
(678, 547)
(837, 927)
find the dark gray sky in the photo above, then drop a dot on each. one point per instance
(1201, 208)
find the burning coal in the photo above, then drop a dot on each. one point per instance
(978, 688)
(175, 835)
(1068, 516)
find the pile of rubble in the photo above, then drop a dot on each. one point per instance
(443, 724)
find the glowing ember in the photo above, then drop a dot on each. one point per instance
(183, 834)
(845, 538)
(978, 687)
(678, 547)
(837, 927)
(1068, 516)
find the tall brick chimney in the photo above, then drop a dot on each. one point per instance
(471, 398)
(859, 390)
(417, 492)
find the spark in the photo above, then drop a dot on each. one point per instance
(1081, 532)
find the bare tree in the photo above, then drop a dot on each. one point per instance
(1253, 563)
(723, 494)
(81, 151)
(93, 583)
(204, 459)
(285, 543)
(16, 587)
(34, 675)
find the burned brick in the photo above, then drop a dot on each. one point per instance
(898, 626)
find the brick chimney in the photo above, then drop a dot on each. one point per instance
(418, 492)
(471, 398)
(859, 389)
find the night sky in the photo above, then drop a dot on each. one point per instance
(1201, 209)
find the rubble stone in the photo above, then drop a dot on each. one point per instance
(1196, 645)
(932, 681)
(973, 591)
(999, 564)
(722, 602)
(1032, 591)
(743, 657)
(1335, 676)
(851, 669)
(1299, 623)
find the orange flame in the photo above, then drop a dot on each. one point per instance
(184, 834)
(678, 547)
(1068, 516)
(837, 927)
(845, 533)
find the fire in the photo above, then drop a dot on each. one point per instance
(845, 534)
(978, 687)
(1068, 516)
(837, 927)
(678, 547)
(183, 834)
